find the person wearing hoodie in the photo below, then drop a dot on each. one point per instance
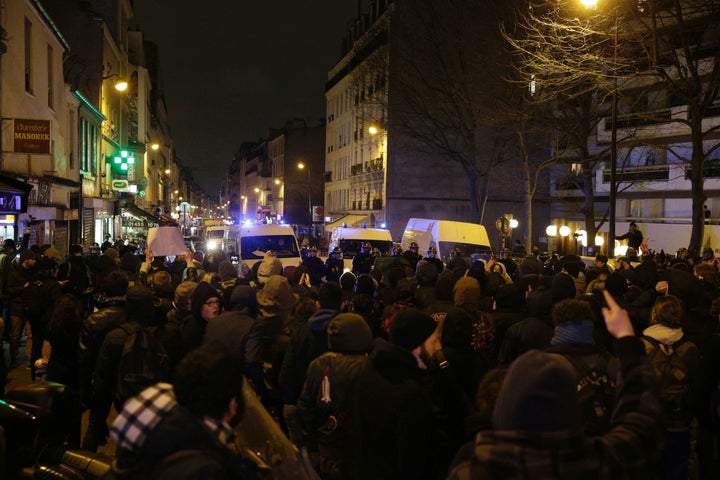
(326, 404)
(307, 343)
(676, 361)
(393, 407)
(426, 276)
(237, 329)
(205, 304)
(537, 430)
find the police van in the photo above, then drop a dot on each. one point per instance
(254, 240)
(350, 239)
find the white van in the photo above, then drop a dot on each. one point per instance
(446, 235)
(349, 239)
(221, 237)
(255, 240)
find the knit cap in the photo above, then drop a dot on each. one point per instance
(183, 292)
(539, 394)
(111, 253)
(410, 328)
(349, 333)
(52, 252)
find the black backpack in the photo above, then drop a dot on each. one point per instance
(673, 376)
(596, 391)
(143, 362)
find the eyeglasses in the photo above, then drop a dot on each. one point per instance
(212, 302)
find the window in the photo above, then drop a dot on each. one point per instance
(50, 79)
(28, 57)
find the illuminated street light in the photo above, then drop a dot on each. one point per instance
(372, 129)
(301, 166)
(155, 146)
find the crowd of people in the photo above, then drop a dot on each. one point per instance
(406, 367)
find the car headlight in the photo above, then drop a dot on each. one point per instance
(212, 245)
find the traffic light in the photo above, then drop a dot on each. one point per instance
(121, 161)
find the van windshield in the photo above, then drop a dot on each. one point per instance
(215, 234)
(254, 248)
(351, 247)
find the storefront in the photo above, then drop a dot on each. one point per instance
(136, 221)
(13, 201)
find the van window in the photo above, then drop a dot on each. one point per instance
(215, 234)
(351, 247)
(254, 248)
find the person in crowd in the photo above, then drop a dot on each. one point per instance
(596, 368)
(427, 275)
(237, 329)
(334, 266)
(412, 255)
(205, 304)
(181, 310)
(307, 342)
(139, 314)
(63, 331)
(315, 266)
(75, 271)
(675, 360)
(347, 284)
(270, 265)
(537, 427)
(325, 406)
(185, 430)
(38, 299)
(110, 315)
(633, 236)
(20, 276)
(363, 261)
(393, 415)
(432, 259)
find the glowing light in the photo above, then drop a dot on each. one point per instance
(551, 231)
(514, 223)
(564, 231)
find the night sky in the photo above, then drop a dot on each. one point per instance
(237, 68)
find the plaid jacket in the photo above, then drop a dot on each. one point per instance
(629, 450)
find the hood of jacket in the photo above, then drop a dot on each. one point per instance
(276, 294)
(202, 293)
(320, 320)
(664, 334)
(394, 362)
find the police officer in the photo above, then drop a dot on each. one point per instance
(412, 255)
(334, 266)
(433, 260)
(315, 266)
(363, 260)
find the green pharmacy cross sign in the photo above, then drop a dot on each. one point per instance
(121, 161)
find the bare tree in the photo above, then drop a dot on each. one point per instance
(450, 85)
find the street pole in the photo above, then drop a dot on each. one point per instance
(310, 212)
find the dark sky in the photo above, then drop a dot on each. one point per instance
(238, 67)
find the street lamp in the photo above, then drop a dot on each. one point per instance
(302, 166)
(613, 132)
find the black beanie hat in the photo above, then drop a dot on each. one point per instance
(202, 293)
(410, 328)
(539, 394)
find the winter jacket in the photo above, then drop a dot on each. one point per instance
(628, 450)
(16, 280)
(393, 417)
(306, 343)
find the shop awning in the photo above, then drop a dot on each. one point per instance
(13, 195)
(133, 216)
(350, 220)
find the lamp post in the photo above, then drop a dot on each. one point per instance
(613, 132)
(302, 166)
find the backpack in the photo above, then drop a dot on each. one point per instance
(673, 376)
(596, 391)
(35, 299)
(143, 362)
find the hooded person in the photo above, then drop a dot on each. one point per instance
(537, 428)
(326, 404)
(237, 329)
(274, 300)
(205, 304)
(393, 410)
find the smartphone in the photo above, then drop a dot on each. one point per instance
(234, 259)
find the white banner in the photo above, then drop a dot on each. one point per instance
(166, 241)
